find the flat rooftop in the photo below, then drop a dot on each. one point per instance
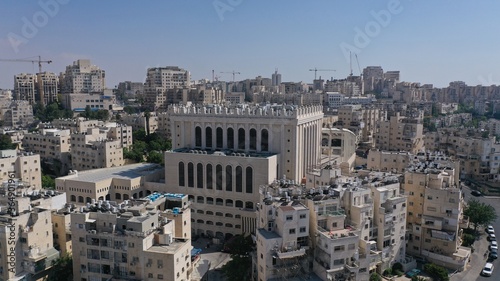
(171, 248)
(268, 234)
(122, 172)
(233, 153)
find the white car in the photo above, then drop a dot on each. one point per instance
(490, 229)
(492, 237)
(493, 245)
(488, 269)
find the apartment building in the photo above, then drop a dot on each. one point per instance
(27, 229)
(388, 161)
(435, 211)
(53, 146)
(161, 79)
(282, 239)
(400, 133)
(25, 87)
(78, 102)
(82, 77)
(50, 85)
(138, 121)
(133, 240)
(24, 166)
(479, 157)
(61, 228)
(76, 125)
(116, 183)
(95, 149)
(17, 114)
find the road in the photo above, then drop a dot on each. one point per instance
(479, 262)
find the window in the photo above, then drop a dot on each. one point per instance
(199, 175)
(229, 178)
(181, 174)
(197, 138)
(249, 180)
(209, 176)
(241, 138)
(302, 216)
(302, 230)
(289, 218)
(291, 231)
(190, 175)
(253, 139)
(218, 137)
(230, 138)
(264, 140)
(208, 137)
(339, 248)
(239, 179)
(218, 177)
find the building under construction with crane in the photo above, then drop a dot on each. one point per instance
(42, 87)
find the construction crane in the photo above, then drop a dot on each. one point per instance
(316, 70)
(40, 83)
(232, 72)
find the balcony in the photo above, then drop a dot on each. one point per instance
(348, 232)
(291, 253)
(432, 222)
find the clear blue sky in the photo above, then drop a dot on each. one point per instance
(428, 41)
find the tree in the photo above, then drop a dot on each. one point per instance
(480, 214)
(48, 182)
(437, 272)
(6, 142)
(62, 269)
(155, 157)
(375, 277)
(239, 267)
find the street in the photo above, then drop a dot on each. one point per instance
(478, 260)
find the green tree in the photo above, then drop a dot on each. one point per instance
(155, 157)
(48, 182)
(480, 214)
(6, 142)
(375, 277)
(239, 267)
(62, 269)
(437, 272)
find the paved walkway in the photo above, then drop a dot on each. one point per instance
(477, 262)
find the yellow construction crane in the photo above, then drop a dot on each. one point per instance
(39, 78)
(316, 70)
(232, 72)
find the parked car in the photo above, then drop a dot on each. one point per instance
(488, 269)
(490, 229)
(476, 193)
(493, 246)
(492, 237)
(493, 254)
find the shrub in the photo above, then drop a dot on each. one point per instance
(437, 272)
(375, 277)
(468, 240)
(387, 272)
(397, 267)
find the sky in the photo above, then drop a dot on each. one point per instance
(431, 42)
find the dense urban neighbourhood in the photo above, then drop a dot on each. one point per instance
(356, 178)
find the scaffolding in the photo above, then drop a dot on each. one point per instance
(290, 262)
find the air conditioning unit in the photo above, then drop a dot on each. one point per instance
(160, 266)
(148, 265)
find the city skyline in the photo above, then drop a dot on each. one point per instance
(428, 42)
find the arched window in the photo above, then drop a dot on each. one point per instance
(229, 203)
(249, 205)
(199, 175)
(249, 180)
(210, 222)
(219, 214)
(209, 213)
(118, 196)
(208, 137)
(73, 198)
(134, 195)
(219, 202)
(219, 223)
(141, 194)
(229, 225)
(218, 137)
(108, 196)
(181, 174)
(229, 178)
(239, 179)
(200, 199)
(197, 136)
(100, 198)
(200, 212)
(210, 201)
(200, 221)
(190, 175)
(324, 142)
(88, 200)
(230, 138)
(218, 177)
(241, 139)
(125, 197)
(264, 140)
(239, 204)
(209, 176)
(229, 215)
(253, 139)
